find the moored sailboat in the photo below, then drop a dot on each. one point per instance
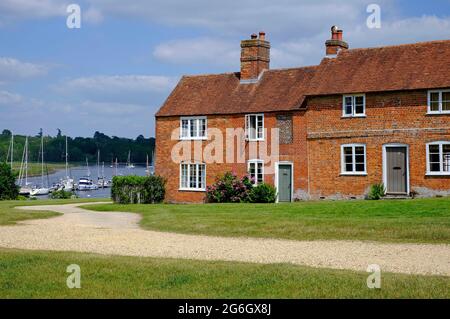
(25, 188)
(42, 190)
(129, 164)
(68, 182)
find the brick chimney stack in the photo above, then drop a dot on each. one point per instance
(255, 57)
(336, 43)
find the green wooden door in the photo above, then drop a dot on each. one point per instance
(396, 170)
(284, 183)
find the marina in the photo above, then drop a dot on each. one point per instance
(78, 173)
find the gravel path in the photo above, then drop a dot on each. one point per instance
(115, 233)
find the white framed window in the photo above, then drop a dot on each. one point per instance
(255, 170)
(254, 127)
(192, 128)
(354, 105)
(193, 176)
(439, 102)
(438, 158)
(353, 159)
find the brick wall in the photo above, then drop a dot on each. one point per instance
(315, 151)
(396, 117)
(294, 152)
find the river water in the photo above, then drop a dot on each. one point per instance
(81, 171)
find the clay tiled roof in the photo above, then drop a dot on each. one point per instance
(277, 90)
(403, 67)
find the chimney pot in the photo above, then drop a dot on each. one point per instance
(262, 36)
(255, 57)
(336, 43)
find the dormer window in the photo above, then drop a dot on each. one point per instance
(439, 102)
(193, 128)
(254, 127)
(354, 105)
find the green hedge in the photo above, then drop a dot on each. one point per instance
(138, 189)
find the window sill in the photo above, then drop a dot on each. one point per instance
(353, 116)
(439, 113)
(437, 174)
(254, 140)
(193, 138)
(192, 189)
(353, 174)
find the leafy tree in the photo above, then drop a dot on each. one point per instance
(81, 147)
(8, 188)
(7, 133)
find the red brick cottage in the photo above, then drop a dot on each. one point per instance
(363, 116)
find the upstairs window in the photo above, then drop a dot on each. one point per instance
(256, 171)
(254, 127)
(353, 159)
(438, 158)
(193, 128)
(438, 102)
(192, 176)
(354, 105)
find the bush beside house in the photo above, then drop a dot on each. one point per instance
(138, 189)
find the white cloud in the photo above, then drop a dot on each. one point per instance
(91, 108)
(13, 69)
(198, 50)
(242, 16)
(25, 9)
(119, 84)
(309, 51)
(9, 98)
(92, 15)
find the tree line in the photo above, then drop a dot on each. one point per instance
(79, 148)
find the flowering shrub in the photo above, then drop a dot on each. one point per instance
(229, 189)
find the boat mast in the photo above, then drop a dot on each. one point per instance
(87, 168)
(26, 161)
(42, 164)
(12, 150)
(98, 164)
(67, 158)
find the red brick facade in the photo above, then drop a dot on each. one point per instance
(309, 103)
(391, 118)
(315, 151)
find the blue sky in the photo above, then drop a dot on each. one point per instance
(114, 72)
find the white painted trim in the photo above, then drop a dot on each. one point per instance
(181, 188)
(385, 165)
(277, 164)
(256, 161)
(429, 111)
(193, 138)
(247, 116)
(353, 96)
(353, 172)
(441, 163)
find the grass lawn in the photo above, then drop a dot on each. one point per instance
(9, 215)
(27, 274)
(419, 220)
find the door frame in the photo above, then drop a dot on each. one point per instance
(385, 146)
(277, 165)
